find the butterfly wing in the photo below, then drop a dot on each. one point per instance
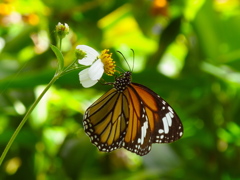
(105, 121)
(151, 120)
(133, 117)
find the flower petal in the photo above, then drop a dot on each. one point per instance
(85, 80)
(91, 55)
(85, 61)
(96, 70)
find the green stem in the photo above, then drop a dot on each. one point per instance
(60, 43)
(26, 117)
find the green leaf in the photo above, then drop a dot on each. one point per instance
(59, 56)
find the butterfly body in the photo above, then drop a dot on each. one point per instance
(131, 116)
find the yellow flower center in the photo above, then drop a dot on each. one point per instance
(109, 64)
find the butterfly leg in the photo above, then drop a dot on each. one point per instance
(103, 82)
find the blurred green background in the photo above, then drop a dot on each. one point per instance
(187, 51)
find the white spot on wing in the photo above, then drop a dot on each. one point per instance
(160, 131)
(165, 125)
(144, 131)
(170, 109)
(169, 118)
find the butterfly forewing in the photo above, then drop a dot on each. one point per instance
(164, 123)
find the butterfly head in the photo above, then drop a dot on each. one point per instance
(122, 81)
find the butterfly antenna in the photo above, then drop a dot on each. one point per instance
(133, 59)
(121, 69)
(125, 60)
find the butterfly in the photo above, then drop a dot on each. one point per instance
(131, 116)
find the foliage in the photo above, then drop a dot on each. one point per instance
(187, 51)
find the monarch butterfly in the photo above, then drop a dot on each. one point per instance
(131, 116)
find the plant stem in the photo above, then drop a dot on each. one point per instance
(26, 117)
(60, 43)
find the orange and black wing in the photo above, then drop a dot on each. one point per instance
(105, 121)
(151, 120)
(132, 116)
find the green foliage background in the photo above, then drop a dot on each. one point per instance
(187, 51)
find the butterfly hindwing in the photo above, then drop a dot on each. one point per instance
(138, 135)
(106, 126)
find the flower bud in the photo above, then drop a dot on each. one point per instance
(62, 30)
(80, 54)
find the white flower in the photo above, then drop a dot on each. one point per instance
(99, 63)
